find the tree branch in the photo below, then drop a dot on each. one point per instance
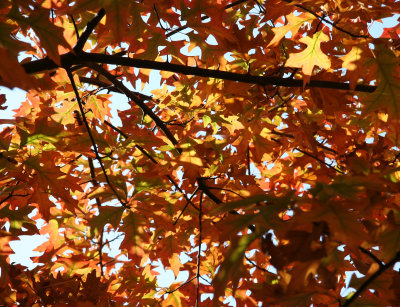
(199, 252)
(372, 256)
(188, 200)
(255, 264)
(371, 279)
(88, 30)
(69, 59)
(94, 145)
(111, 87)
(179, 29)
(282, 134)
(323, 19)
(135, 98)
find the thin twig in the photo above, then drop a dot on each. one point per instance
(98, 202)
(75, 27)
(177, 30)
(319, 160)
(184, 284)
(199, 252)
(283, 134)
(110, 87)
(371, 255)
(206, 189)
(146, 110)
(369, 280)
(155, 162)
(94, 145)
(186, 205)
(255, 264)
(248, 160)
(101, 253)
(94, 181)
(327, 21)
(227, 190)
(11, 194)
(158, 18)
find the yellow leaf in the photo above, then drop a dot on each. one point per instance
(192, 160)
(173, 299)
(311, 56)
(350, 58)
(175, 264)
(293, 25)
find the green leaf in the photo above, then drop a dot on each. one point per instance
(206, 120)
(388, 91)
(18, 219)
(230, 269)
(107, 215)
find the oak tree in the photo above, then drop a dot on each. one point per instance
(266, 166)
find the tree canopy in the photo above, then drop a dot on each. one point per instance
(266, 166)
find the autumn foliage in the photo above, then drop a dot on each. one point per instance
(265, 167)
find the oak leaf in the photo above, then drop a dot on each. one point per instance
(311, 56)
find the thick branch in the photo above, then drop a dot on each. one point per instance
(86, 58)
(88, 30)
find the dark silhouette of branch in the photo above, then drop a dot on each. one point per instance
(255, 264)
(184, 284)
(98, 202)
(11, 194)
(94, 181)
(126, 136)
(197, 276)
(94, 145)
(79, 57)
(292, 137)
(155, 162)
(371, 255)
(158, 18)
(371, 279)
(199, 252)
(69, 59)
(227, 190)
(75, 27)
(111, 87)
(319, 160)
(248, 160)
(395, 158)
(187, 204)
(206, 190)
(88, 30)
(323, 18)
(135, 98)
(116, 129)
(177, 30)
